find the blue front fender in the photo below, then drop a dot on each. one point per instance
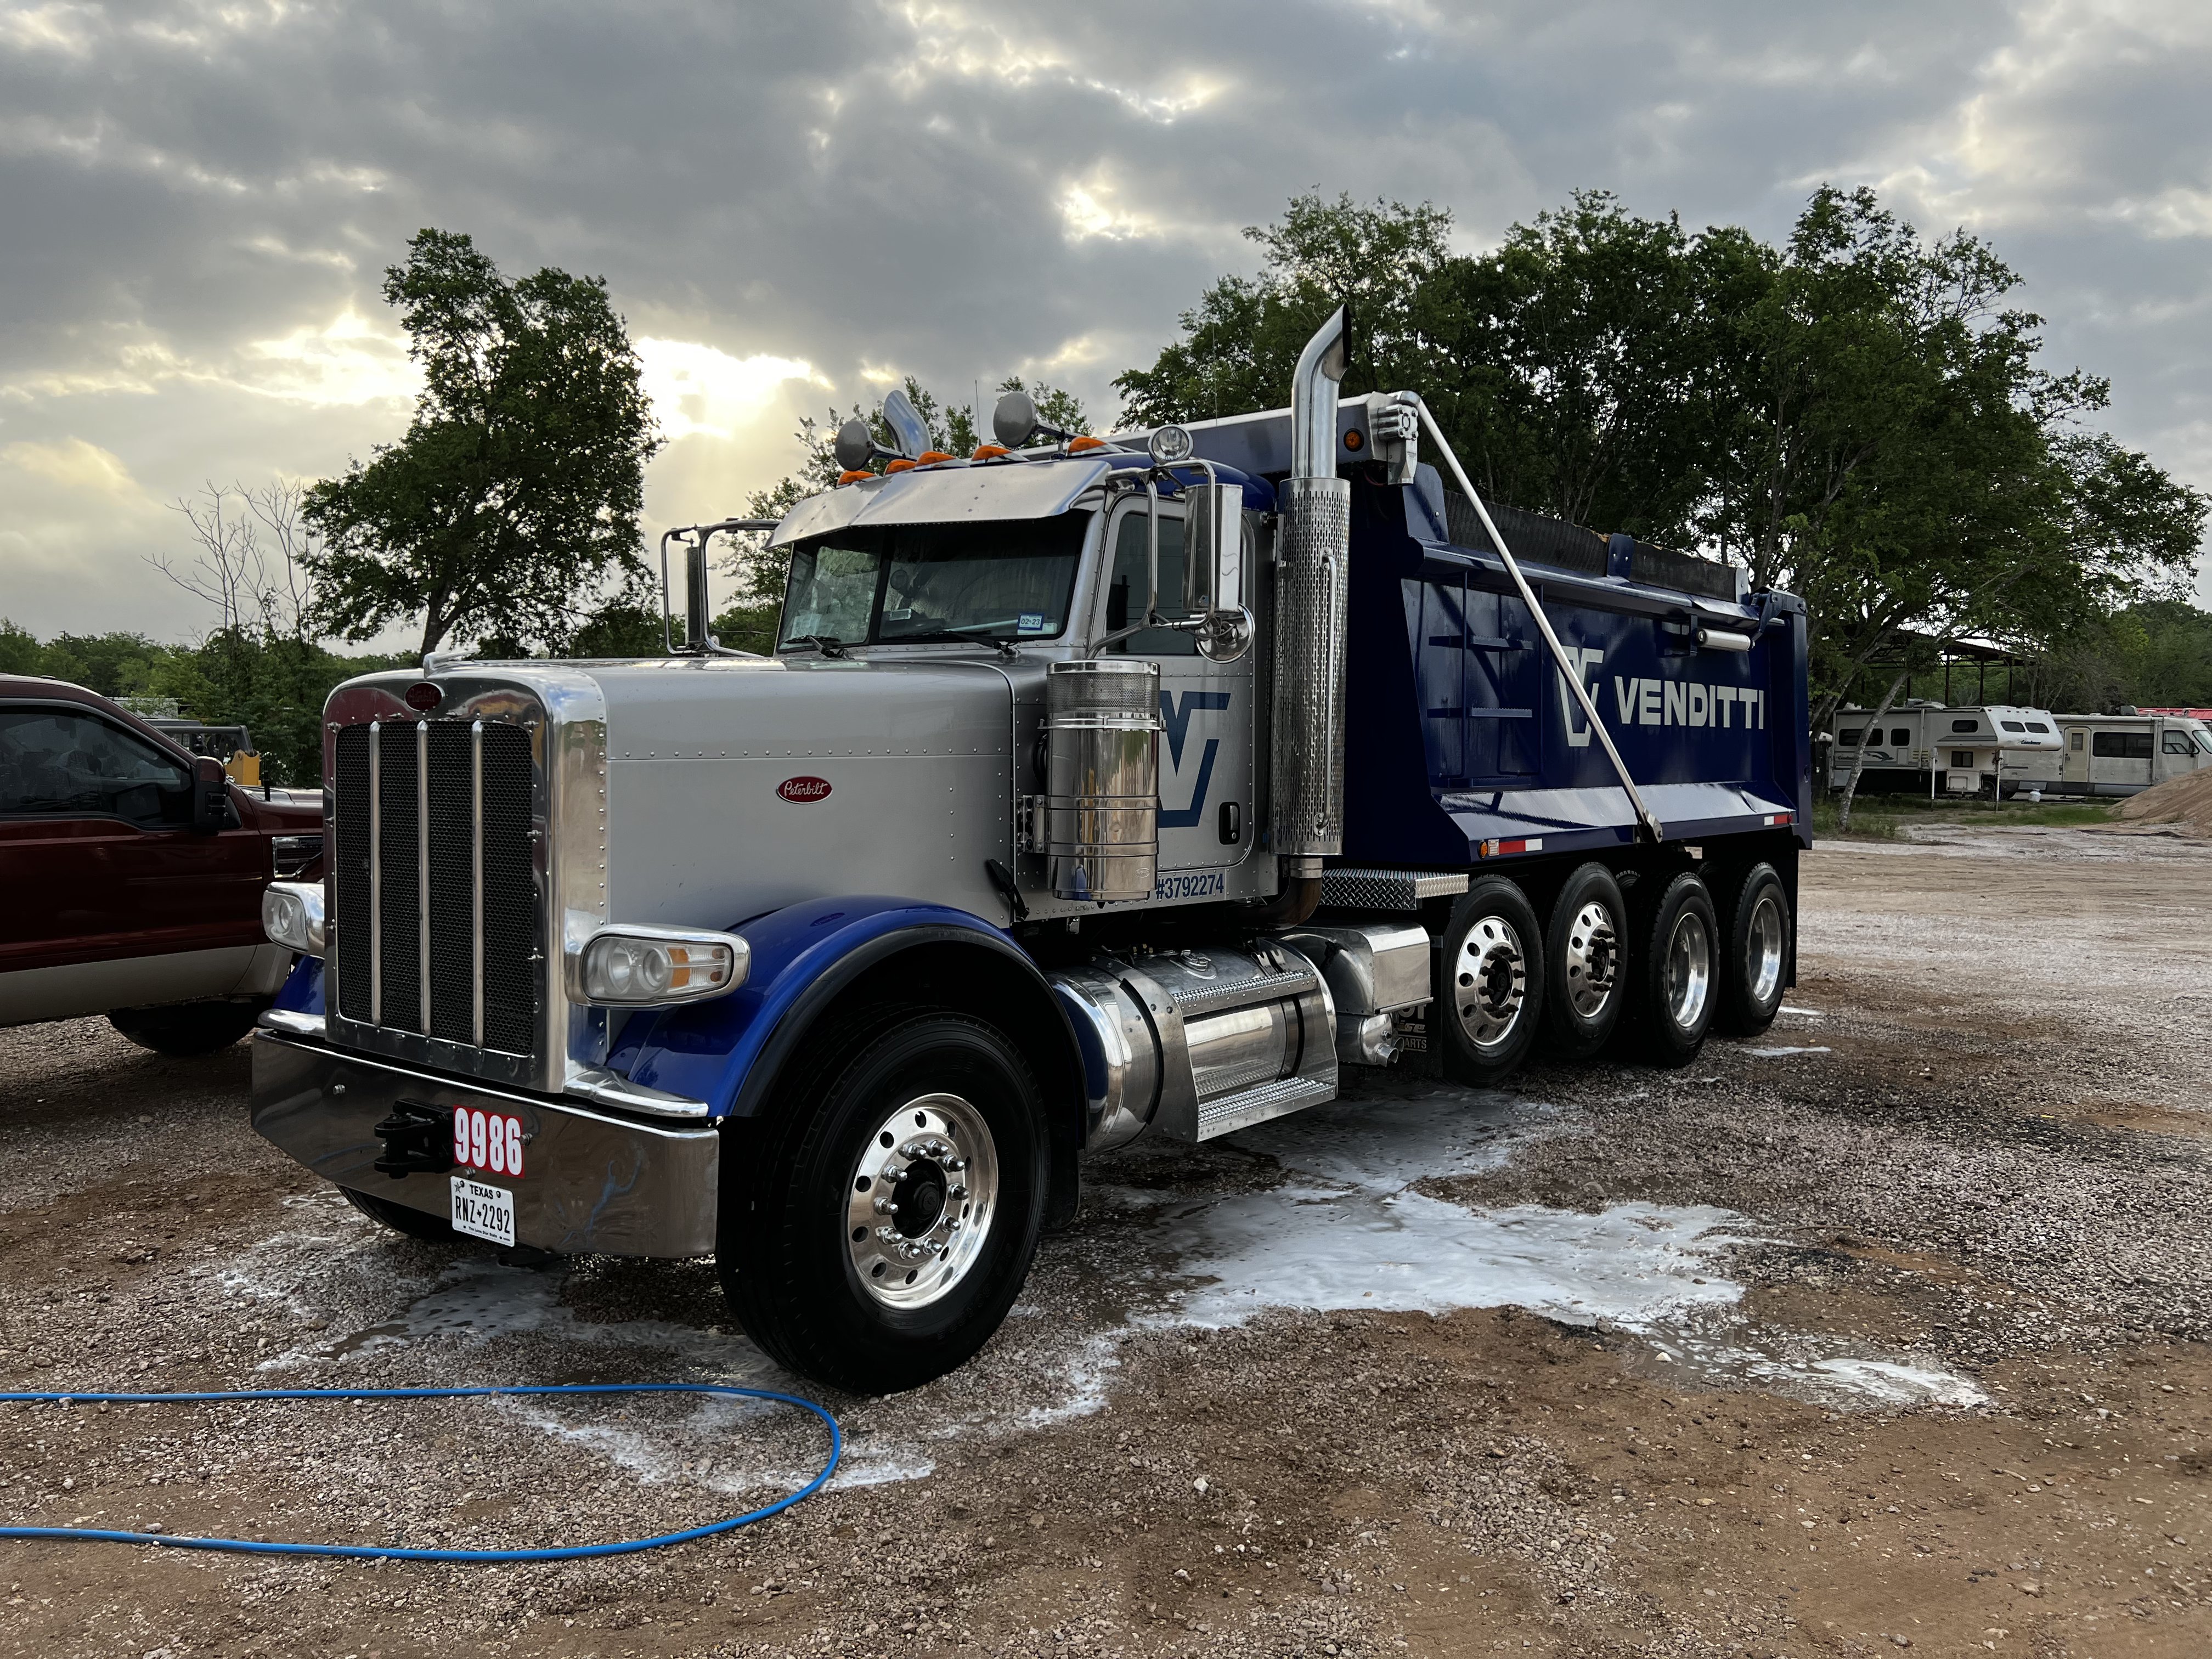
(709, 1050)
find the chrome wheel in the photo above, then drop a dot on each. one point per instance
(1490, 981)
(919, 1199)
(1763, 949)
(1689, 970)
(1593, 962)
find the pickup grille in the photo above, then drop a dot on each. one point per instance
(429, 938)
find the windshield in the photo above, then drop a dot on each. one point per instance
(877, 585)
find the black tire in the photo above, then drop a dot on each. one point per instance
(1489, 984)
(187, 1029)
(416, 1223)
(1758, 931)
(1673, 976)
(1585, 950)
(791, 1257)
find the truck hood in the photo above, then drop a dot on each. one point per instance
(739, 785)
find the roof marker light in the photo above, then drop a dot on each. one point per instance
(1077, 446)
(855, 476)
(898, 466)
(931, 457)
(990, 453)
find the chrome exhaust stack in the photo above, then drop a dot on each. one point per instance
(1306, 815)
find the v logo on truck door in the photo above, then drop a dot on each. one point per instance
(1177, 721)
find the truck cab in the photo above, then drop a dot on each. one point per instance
(1096, 788)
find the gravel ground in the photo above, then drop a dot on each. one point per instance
(1888, 1330)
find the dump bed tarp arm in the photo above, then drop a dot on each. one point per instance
(1569, 670)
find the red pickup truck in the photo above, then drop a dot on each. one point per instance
(131, 874)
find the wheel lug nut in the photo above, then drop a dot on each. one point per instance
(886, 1206)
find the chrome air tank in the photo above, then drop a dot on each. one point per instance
(1102, 809)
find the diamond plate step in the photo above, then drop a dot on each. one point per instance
(1250, 1106)
(1353, 887)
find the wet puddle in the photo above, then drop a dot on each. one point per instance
(1346, 1227)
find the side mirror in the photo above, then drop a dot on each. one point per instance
(1213, 569)
(211, 797)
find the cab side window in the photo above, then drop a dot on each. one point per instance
(56, 763)
(1131, 580)
(2177, 743)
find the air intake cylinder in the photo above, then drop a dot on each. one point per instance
(1311, 615)
(1102, 808)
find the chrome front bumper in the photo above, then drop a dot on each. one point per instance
(594, 1183)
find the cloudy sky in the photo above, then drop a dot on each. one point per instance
(793, 204)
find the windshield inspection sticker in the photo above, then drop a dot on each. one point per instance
(1032, 622)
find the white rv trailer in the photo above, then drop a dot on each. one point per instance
(2124, 754)
(1927, 747)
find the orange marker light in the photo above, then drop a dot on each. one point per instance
(1353, 439)
(898, 466)
(931, 457)
(853, 478)
(990, 453)
(1077, 446)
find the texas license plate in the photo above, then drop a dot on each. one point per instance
(483, 1212)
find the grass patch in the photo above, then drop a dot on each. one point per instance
(1868, 822)
(1878, 817)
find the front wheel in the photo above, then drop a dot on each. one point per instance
(877, 1226)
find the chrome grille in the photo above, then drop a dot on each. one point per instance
(434, 896)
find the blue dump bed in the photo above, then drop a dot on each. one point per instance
(1463, 739)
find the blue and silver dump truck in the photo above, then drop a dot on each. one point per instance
(1097, 788)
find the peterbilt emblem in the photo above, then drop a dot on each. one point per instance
(803, 790)
(422, 696)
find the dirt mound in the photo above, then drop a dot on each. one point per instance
(2186, 800)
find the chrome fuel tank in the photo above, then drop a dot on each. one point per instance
(1101, 807)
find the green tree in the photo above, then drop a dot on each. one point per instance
(1857, 415)
(1579, 369)
(514, 497)
(1241, 341)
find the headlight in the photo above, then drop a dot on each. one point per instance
(629, 966)
(292, 915)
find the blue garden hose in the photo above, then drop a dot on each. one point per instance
(369, 1553)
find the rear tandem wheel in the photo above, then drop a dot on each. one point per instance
(1673, 975)
(1489, 984)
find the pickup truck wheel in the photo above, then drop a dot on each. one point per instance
(1757, 957)
(1674, 979)
(187, 1029)
(1489, 984)
(1583, 951)
(876, 1229)
(416, 1223)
